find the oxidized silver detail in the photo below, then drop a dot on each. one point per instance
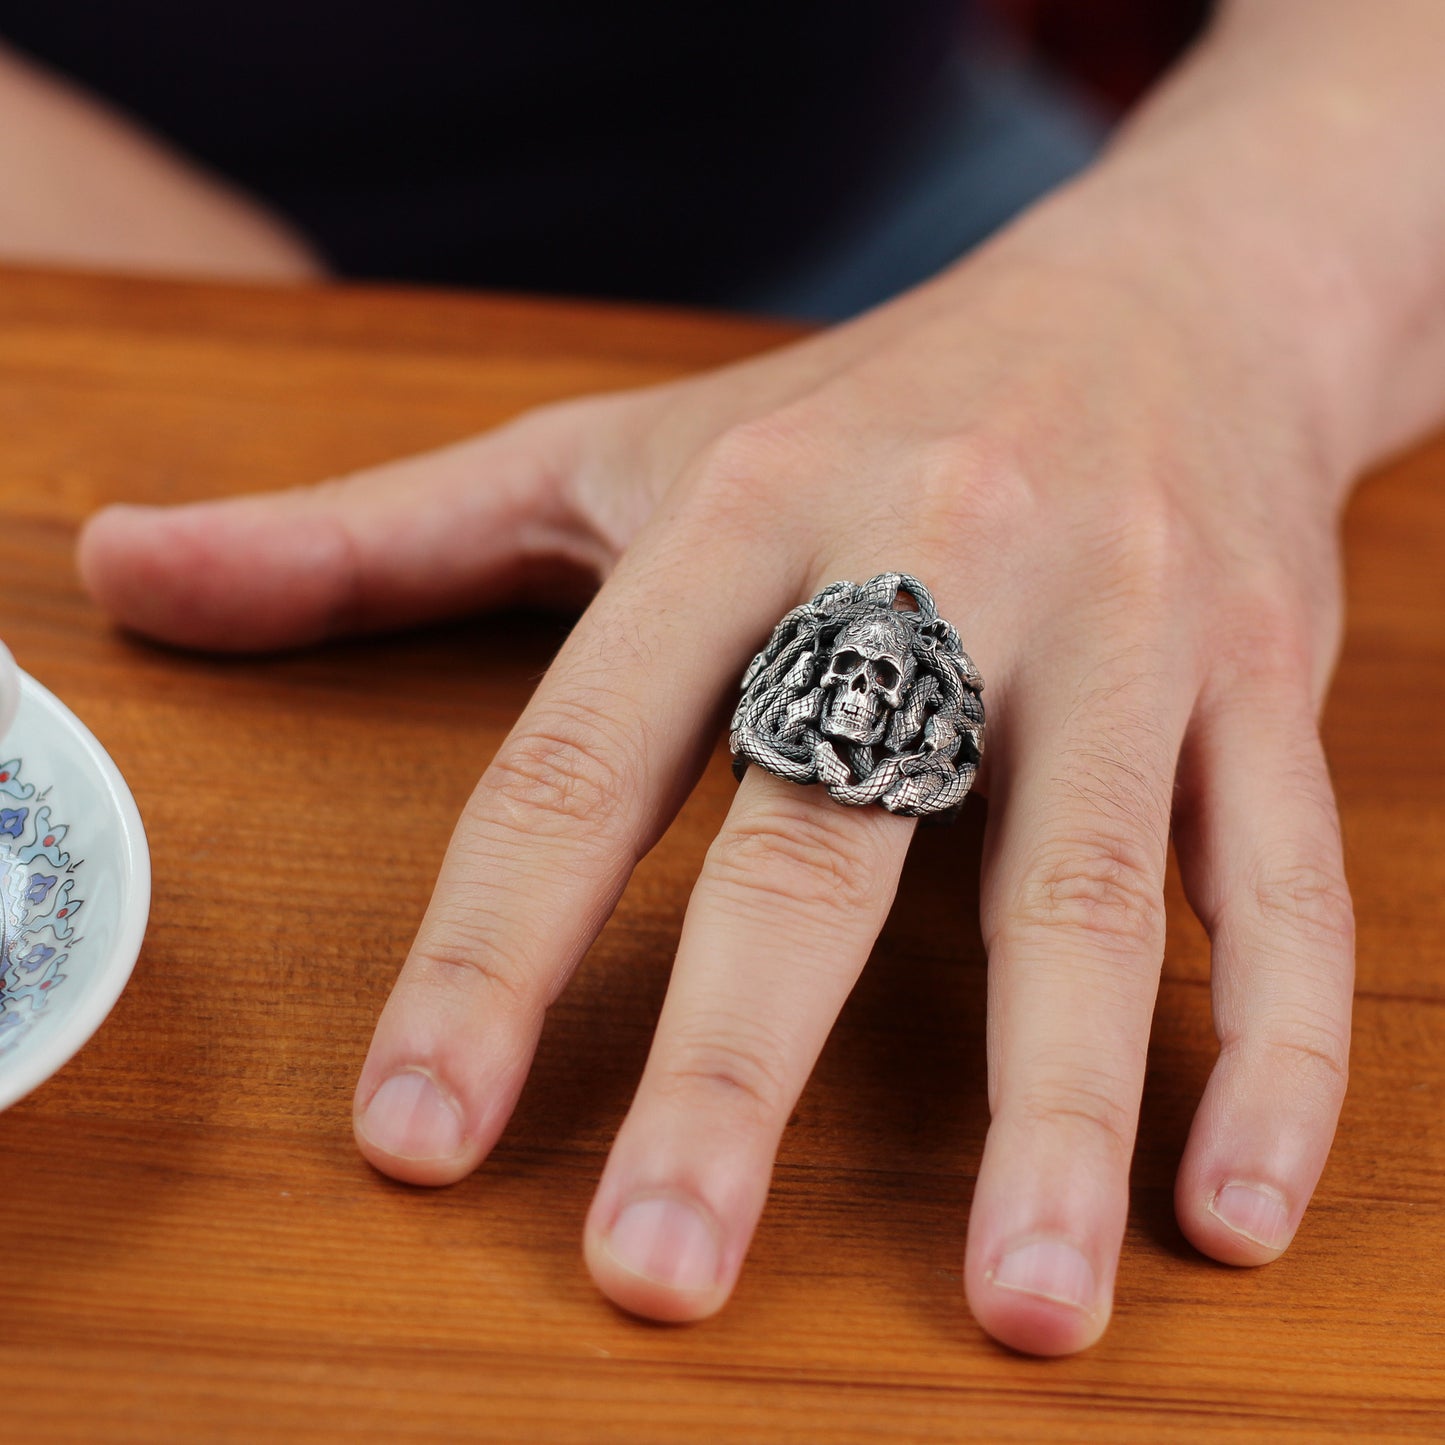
(877, 702)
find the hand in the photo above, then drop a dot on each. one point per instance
(1133, 533)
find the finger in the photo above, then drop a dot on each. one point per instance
(593, 771)
(416, 539)
(788, 905)
(1259, 851)
(1072, 903)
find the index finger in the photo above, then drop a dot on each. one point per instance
(586, 782)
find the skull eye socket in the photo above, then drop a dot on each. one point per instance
(845, 662)
(885, 674)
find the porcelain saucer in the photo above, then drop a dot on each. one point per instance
(75, 884)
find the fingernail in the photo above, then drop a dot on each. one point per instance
(411, 1118)
(1050, 1269)
(1256, 1211)
(668, 1242)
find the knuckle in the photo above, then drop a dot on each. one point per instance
(802, 860)
(740, 1067)
(1090, 1102)
(572, 772)
(761, 462)
(1311, 1053)
(985, 481)
(760, 440)
(975, 484)
(467, 953)
(1142, 556)
(1272, 636)
(1309, 901)
(1098, 885)
(1152, 531)
(1318, 1057)
(1148, 553)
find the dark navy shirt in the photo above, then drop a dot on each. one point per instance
(623, 149)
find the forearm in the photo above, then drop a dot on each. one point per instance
(80, 185)
(1291, 164)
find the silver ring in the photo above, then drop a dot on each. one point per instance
(868, 691)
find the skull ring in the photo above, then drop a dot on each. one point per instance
(868, 691)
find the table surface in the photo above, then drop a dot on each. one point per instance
(194, 1250)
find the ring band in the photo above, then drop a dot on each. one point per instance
(875, 700)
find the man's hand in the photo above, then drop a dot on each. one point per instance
(1114, 445)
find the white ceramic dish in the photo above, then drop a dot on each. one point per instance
(75, 887)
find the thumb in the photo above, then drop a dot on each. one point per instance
(431, 535)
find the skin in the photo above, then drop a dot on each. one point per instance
(82, 186)
(1115, 443)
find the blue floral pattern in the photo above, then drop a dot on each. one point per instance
(38, 905)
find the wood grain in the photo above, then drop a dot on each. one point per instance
(194, 1251)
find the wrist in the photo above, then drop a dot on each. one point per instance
(1261, 299)
(1160, 298)
(1280, 176)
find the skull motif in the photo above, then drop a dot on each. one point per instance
(870, 666)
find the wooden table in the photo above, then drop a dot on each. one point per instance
(193, 1250)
